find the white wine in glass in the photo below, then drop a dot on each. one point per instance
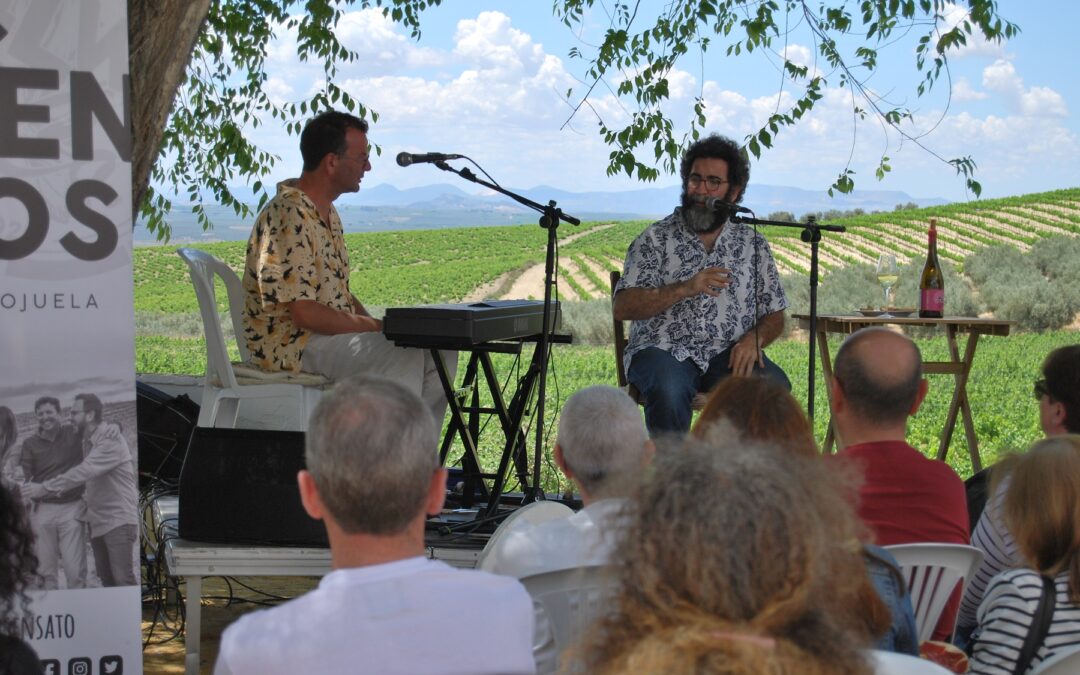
(887, 274)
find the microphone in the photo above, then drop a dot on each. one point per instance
(721, 206)
(407, 158)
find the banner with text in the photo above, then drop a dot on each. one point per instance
(67, 344)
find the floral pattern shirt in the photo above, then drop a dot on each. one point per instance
(702, 326)
(291, 255)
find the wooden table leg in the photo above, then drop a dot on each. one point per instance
(965, 406)
(192, 624)
(959, 402)
(826, 376)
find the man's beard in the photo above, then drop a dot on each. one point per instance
(696, 216)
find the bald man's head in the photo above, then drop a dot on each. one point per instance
(879, 373)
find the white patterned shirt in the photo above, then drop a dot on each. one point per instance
(702, 326)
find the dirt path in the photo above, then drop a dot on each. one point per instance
(485, 291)
(574, 237)
(530, 285)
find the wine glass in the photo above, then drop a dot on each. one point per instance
(887, 274)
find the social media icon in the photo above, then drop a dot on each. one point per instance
(81, 665)
(111, 665)
(50, 666)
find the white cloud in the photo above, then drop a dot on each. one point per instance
(1001, 78)
(682, 85)
(1044, 102)
(799, 55)
(490, 41)
(963, 92)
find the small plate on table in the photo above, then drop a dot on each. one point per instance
(895, 312)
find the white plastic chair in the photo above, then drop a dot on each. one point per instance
(527, 516)
(227, 384)
(932, 571)
(1060, 664)
(891, 663)
(569, 601)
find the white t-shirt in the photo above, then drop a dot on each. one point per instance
(414, 616)
(585, 538)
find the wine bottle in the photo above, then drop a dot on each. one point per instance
(932, 284)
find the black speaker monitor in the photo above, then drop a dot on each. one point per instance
(239, 486)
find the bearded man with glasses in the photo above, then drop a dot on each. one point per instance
(703, 293)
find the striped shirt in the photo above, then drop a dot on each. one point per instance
(999, 554)
(1006, 616)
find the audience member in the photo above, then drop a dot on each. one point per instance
(605, 461)
(1042, 510)
(738, 559)
(17, 565)
(760, 411)
(905, 497)
(1058, 393)
(372, 476)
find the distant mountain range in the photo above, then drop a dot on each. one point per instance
(385, 207)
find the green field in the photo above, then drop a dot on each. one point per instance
(405, 268)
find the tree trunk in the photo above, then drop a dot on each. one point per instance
(161, 36)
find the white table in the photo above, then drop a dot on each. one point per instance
(194, 560)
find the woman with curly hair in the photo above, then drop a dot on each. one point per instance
(759, 410)
(17, 565)
(738, 559)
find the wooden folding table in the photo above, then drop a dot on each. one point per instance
(959, 368)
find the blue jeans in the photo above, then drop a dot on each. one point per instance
(669, 385)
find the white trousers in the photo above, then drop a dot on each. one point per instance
(349, 354)
(60, 539)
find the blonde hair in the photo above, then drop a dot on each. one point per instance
(1042, 507)
(737, 560)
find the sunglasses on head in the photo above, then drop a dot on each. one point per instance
(1041, 389)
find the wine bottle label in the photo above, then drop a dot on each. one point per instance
(932, 300)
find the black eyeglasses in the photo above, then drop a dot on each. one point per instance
(712, 183)
(1041, 389)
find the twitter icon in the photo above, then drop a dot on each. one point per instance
(111, 665)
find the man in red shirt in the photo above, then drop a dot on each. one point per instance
(905, 498)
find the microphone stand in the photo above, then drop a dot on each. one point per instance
(550, 217)
(811, 233)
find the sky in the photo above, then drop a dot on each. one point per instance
(487, 79)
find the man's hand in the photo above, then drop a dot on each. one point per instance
(32, 490)
(745, 354)
(710, 280)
